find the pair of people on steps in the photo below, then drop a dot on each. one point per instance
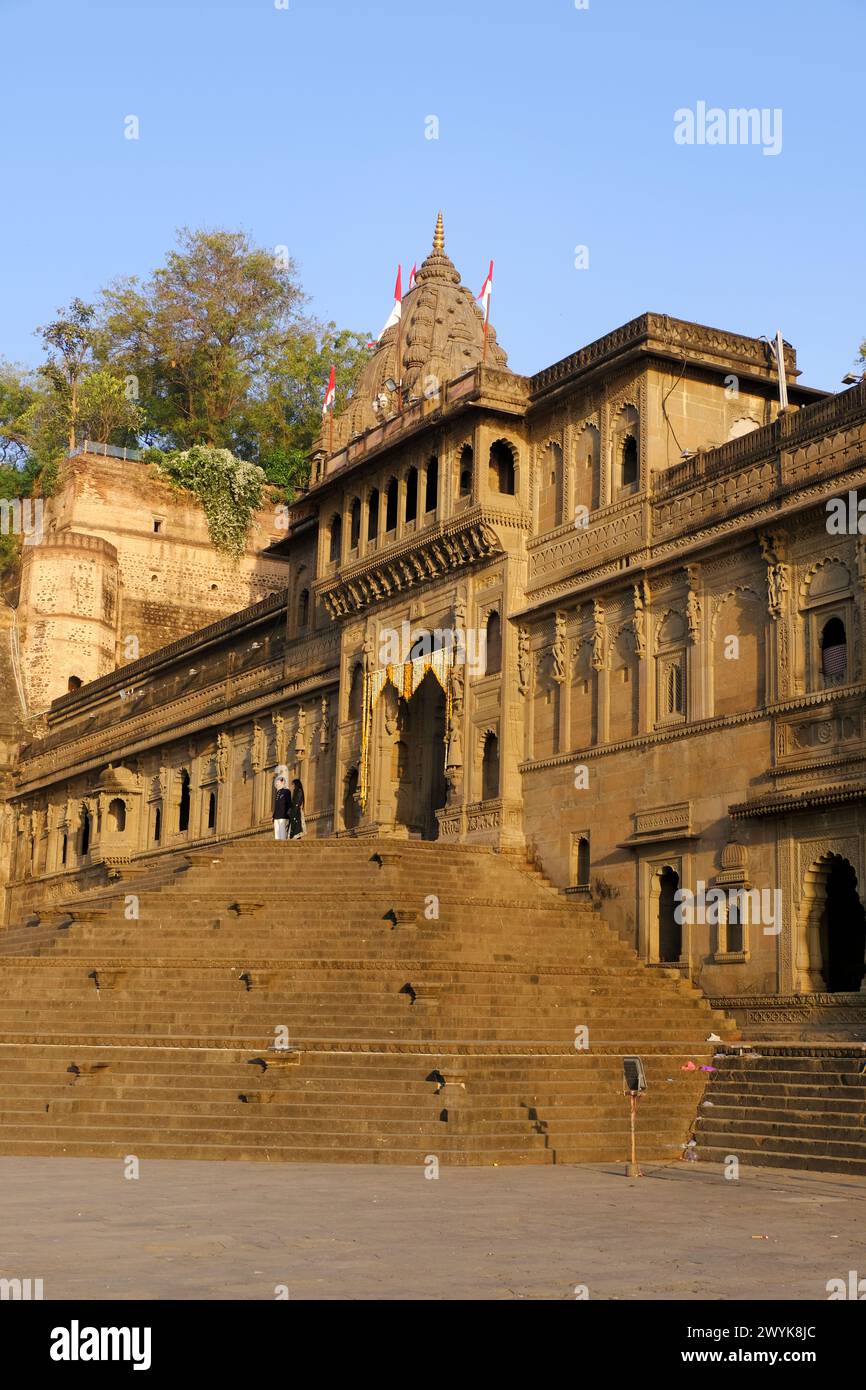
(289, 822)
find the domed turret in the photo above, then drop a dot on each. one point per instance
(440, 336)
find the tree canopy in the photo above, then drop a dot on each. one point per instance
(214, 349)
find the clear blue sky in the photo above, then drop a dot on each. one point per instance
(306, 127)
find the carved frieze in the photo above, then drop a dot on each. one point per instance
(430, 558)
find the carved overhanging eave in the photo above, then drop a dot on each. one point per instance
(812, 799)
(421, 559)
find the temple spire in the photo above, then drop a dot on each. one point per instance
(439, 234)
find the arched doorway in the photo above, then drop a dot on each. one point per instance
(833, 937)
(350, 799)
(670, 930)
(183, 807)
(418, 761)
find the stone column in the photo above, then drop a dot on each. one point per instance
(774, 549)
(600, 651)
(696, 703)
(640, 625)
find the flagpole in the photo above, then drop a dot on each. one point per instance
(399, 363)
(331, 433)
(488, 285)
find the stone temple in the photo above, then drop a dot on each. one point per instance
(571, 669)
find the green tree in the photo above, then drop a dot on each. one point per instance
(199, 333)
(279, 427)
(223, 353)
(18, 392)
(69, 342)
(105, 411)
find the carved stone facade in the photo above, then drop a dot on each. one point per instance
(599, 607)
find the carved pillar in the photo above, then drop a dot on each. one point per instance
(696, 705)
(640, 625)
(778, 681)
(526, 686)
(600, 645)
(857, 662)
(559, 655)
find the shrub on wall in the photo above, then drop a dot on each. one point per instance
(229, 489)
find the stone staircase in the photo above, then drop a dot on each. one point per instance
(787, 1107)
(346, 1000)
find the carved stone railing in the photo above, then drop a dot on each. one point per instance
(791, 431)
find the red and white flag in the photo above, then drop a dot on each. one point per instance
(412, 274)
(397, 312)
(486, 291)
(330, 394)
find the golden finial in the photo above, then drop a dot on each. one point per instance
(439, 234)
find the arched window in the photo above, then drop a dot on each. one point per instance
(550, 488)
(629, 461)
(671, 665)
(211, 811)
(303, 609)
(834, 650)
(85, 832)
(157, 825)
(117, 815)
(74, 683)
(583, 862)
(354, 524)
(431, 487)
(183, 809)
(412, 494)
(373, 515)
(493, 645)
(464, 482)
(64, 849)
(674, 688)
(490, 768)
(356, 692)
(501, 468)
(335, 543)
(391, 506)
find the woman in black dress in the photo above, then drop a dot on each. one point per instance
(297, 823)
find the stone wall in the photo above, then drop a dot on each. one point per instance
(125, 567)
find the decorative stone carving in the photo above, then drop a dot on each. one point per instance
(280, 737)
(223, 754)
(599, 636)
(638, 622)
(524, 660)
(258, 751)
(324, 725)
(693, 604)
(774, 551)
(558, 650)
(459, 543)
(301, 733)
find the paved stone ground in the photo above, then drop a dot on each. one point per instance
(237, 1230)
